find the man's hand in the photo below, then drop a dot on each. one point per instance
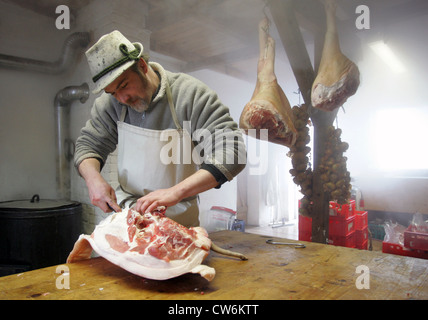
(199, 182)
(162, 197)
(101, 193)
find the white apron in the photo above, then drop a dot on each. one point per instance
(142, 171)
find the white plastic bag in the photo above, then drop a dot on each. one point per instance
(394, 233)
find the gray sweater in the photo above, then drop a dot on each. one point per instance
(193, 102)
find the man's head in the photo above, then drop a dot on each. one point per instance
(118, 68)
(110, 57)
(132, 87)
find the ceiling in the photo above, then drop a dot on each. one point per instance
(222, 34)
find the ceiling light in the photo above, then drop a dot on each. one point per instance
(388, 56)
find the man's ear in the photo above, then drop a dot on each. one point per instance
(143, 65)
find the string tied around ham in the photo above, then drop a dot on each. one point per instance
(266, 29)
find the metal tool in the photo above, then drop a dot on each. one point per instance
(295, 245)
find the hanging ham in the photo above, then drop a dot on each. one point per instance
(269, 107)
(338, 77)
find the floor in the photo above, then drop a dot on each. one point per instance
(291, 231)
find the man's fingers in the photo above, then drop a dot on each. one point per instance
(112, 202)
(113, 206)
(144, 205)
(152, 207)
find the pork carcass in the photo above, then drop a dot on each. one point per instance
(149, 245)
(269, 107)
(338, 77)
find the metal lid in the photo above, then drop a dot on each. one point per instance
(35, 204)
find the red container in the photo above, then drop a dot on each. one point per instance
(400, 250)
(361, 238)
(393, 248)
(362, 246)
(343, 241)
(361, 220)
(339, 226)
(416, 239)
(344, 228)
(305, 228)
(305, 224)
(305, 236)
(344, 210)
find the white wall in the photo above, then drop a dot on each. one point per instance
(27, 156)
(27, 127)
(382, 89)
(232, 93)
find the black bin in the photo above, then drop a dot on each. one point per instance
(37, 233)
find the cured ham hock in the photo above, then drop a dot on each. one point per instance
(269, 107)
(338, 77)
(149, 245)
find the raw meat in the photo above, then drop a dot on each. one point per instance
(150, 245)
(269, 107)
(338, 77)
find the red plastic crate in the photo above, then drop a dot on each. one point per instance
(361, 238)
(347, 239)
(362, 246)
(393, 248)
(344, 210)
(343, 241)
(415, 239)
(339, 226)
(305, 236)
(361, 220)
(421, 254)
(400, 250)
(305, 224)
(305, 228)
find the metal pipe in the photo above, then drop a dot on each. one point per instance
(71, 45)
(64, 145)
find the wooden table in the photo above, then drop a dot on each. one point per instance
(272, 272)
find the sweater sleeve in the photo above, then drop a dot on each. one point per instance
(99, 136)
(215, 134)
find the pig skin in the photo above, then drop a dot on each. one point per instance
(111, 240)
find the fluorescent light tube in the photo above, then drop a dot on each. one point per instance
(388, 56)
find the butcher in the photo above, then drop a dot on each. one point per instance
(142, 111)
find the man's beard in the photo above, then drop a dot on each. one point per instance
(139, 105)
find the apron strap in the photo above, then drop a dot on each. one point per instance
(123, 113)
(171, 105)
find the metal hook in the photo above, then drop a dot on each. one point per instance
(295, 245)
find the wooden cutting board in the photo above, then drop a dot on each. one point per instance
(318, 271)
